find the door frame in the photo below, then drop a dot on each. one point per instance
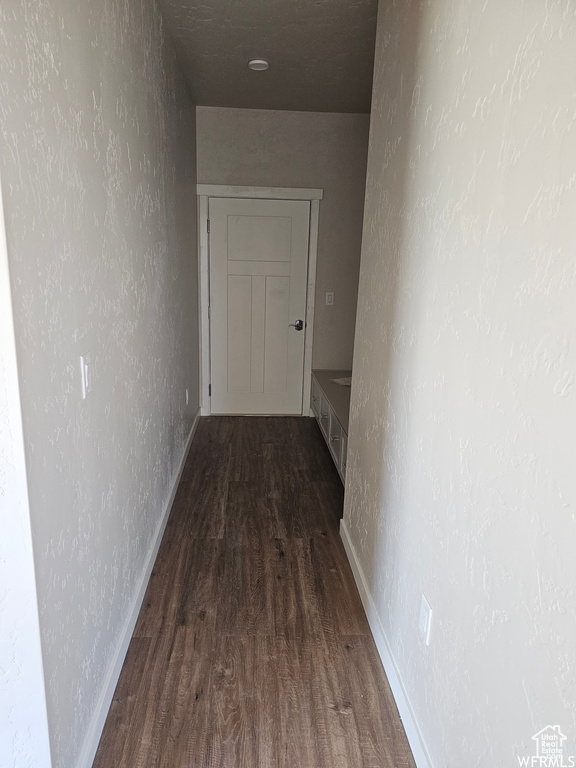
(204, 192)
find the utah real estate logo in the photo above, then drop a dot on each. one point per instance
(549, 750)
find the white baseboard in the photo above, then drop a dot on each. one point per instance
(99, 718)
(417, 745)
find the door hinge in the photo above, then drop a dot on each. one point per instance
(208, 226)
(209, 390)
(209, 315)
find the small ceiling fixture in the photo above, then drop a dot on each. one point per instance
(258, 65)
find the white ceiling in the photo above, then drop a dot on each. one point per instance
(321, 52)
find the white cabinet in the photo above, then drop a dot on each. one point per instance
(330, 403)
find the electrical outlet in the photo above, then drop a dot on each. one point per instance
(329, 298)
(425, 620)
(86, 375)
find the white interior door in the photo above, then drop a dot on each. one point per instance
(258, 277)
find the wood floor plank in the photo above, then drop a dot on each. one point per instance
(252, 649)
(171, 710)
(339, 606)
(299, 741)
(246, 580)
(318, 461)
(251, 514)
(380, 732)
(199, 507)
(162, 594)
(305, 509)
(208, 451)
(244, 704)
(169, 599)
(111, 747)
(295, 608)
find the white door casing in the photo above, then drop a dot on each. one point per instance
(258, 282)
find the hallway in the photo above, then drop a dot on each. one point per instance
(252, 647)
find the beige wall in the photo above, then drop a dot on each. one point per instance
(461, 481)
(98, 173)
(301, 149)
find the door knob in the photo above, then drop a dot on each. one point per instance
(299, 324)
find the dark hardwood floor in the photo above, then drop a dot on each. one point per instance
(252, 649)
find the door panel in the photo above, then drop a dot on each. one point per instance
(258, 277)
(276, 333)
(239, 332)
(258, 321)
(254, 235)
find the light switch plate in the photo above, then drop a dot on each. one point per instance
(329, 298)
(425, 620)
(86, 375)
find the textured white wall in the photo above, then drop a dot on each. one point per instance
(98, 167)
(302, 149)
(461, 481)
(23, 719)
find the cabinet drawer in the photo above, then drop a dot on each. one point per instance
(315, 398)
(343, 456)
(324, 416)
(335, 437)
